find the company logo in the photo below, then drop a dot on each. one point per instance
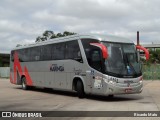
(56, 68)
(128, 81)
(112, 79)
(21, 114)
(6, 114)
(92, 72)
(77, 71)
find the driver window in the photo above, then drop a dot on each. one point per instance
(96, 60)
(93, 54)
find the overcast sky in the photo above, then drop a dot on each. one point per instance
(21, 21)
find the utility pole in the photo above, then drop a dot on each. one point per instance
(138, 38)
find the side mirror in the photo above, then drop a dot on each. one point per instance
(103, 49)
(145, 51)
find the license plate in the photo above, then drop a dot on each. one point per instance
(128, 90)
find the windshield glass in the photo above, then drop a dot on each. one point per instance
(122, 60)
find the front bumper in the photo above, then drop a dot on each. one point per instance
(123, 88)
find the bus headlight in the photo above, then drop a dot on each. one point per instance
(109, 81)
(105, 80)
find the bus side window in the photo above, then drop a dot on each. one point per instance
(58, 51)
(96, 61)
(73, 51)
(46, 52)
(35, 53)
(12, 56)
(93, 54)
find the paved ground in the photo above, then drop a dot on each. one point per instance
(12, 97)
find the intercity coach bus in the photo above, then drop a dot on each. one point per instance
(85, 63)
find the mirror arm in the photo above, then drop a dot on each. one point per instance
(103, 48)
(145, 50)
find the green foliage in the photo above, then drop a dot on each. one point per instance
(51, 35)
(18, 45)
(154, 56)
(48, 33)
(151, 72)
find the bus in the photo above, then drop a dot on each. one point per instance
(85, 63)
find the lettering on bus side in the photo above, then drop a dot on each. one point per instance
(56, 68)
(113, 79)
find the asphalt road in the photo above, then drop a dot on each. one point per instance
(13, 98)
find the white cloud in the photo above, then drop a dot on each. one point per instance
(22, 21)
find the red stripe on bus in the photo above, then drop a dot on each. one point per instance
(28, 78)
(18, 67)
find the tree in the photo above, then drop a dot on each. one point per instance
(38, 39)
(66, 33)
(154, 57)
(60, 35)
(48, 34)
(18, 45)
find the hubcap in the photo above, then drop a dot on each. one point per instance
(23, 85)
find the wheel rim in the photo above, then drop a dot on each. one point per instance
(23, 85)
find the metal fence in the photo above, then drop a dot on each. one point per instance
(4, 72)
(151, 72)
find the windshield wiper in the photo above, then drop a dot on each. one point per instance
(130, 64)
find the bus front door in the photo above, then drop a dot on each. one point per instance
(95, 77)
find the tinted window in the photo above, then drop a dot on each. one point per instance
(46, 52)
(35, 53)
(58, 51)
(96, 59)
(73, 50)
(93, 54)
(87, 47)
(12, 55)
(26, 55)
(20, 55)
(23, 55)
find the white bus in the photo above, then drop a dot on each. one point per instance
(85, 63)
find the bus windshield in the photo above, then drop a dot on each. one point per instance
(123, 60)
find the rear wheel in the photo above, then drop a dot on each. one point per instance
(80, 89)
(110, 96)
(24, 84)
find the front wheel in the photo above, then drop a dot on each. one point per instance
(24, 85)
(80, 89)
(111, 96)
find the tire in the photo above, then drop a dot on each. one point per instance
(24, 85)
(110, 96)
(80, 89)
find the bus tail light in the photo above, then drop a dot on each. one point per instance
(145, 50)
(103, 48)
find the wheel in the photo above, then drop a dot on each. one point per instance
(24, 85)
(110, 96)
(80, 89)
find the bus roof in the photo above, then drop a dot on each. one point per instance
(100, 37)
(108, 38)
